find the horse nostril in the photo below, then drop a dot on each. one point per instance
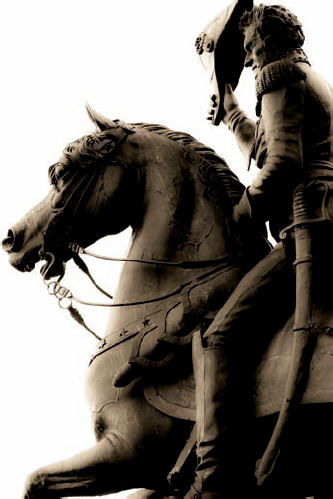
(8, 242)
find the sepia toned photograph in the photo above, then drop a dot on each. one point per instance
(166, 224)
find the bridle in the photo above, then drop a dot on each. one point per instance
(65, 297)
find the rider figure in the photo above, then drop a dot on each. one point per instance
(291, 145)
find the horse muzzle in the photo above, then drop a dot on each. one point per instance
(20, 259)
(9, 242)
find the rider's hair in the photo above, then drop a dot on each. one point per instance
(278, 28)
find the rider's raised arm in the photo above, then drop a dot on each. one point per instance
(239, 123)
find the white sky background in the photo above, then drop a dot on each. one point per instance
(133, 60)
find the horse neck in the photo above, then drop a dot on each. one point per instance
(178, 223)
(183, 217)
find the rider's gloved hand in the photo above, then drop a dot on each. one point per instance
(233, 112)
(242, 127)
(230, 105)
(212, 107)
(252, 232)
(243, 211)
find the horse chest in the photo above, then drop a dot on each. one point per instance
(111, 353)
(174, 320)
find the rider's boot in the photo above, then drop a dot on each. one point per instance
(224, 467)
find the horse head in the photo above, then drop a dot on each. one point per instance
(177, 195)
(88, 183)
(125, 175)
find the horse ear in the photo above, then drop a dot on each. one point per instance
(99, 121)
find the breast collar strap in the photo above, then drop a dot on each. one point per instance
(184, 264)
(65, 297)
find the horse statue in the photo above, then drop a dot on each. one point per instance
(185, 259)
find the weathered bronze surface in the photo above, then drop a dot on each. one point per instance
(210, 325)
(291, 145)
(177, 196)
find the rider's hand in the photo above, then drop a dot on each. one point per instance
(251, 231)
(212, 107)
(243, 211)
(230, 103)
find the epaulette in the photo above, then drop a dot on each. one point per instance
(276, 75)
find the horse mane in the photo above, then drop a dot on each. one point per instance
(212, 163)
(98, 146)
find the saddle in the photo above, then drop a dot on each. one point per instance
(177, 399)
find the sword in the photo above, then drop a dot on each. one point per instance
(302, 346)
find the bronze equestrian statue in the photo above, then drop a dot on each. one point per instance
(198, 263)
(291, 145)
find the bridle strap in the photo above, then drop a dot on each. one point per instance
(84, 268)
(63, 293)
(184, 264)
(65, 296)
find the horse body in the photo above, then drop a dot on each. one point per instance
(177, 196)
(177, 224)
(170, 186)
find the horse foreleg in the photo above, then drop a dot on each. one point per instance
(102, 469)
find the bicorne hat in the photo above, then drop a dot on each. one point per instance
(220, 47)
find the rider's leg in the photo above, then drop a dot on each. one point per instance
(176, 324)
(223, 377)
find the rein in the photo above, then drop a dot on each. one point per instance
(184, 264)
(65, 297)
